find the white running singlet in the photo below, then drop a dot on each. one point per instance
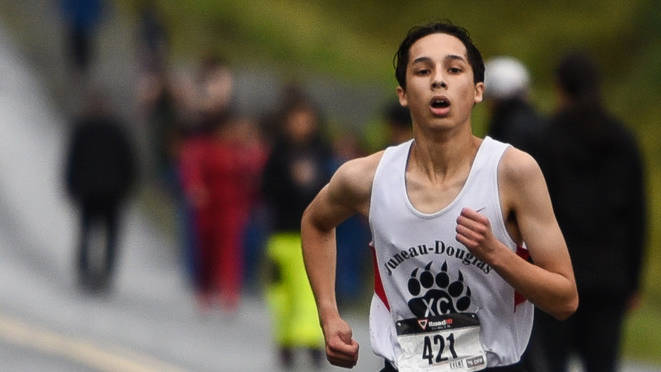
(425, 275)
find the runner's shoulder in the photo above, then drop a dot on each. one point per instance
(518, 167)
(355, 176)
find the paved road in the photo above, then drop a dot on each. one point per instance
(149, 322)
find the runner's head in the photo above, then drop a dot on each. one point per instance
(401, 58)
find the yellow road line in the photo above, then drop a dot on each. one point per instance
(97, 357)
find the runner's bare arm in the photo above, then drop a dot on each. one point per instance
(549, 282)
(346, 194)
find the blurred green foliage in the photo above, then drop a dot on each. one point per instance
(356, 41)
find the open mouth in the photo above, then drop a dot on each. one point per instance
(440, 102)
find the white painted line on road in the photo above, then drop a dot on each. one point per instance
(82, 351)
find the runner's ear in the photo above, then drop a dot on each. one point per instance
(479, 92)
(401, 95)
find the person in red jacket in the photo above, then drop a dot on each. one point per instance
(221, 173)
(232, 162)
(219, 166)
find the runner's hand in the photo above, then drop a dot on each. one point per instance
(341, 349)
(474, 231)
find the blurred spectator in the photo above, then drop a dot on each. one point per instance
(300, 164)
(290, 94)
(100, 171)
(81, 18)
(223, 195)
(161, 106)
(220, 166)
(167, 107)
(399, 124)
(173, 107)
(152, 37)
(512, 118)
(190, 155)
(216, 83)
(352, 235)
(595, 177)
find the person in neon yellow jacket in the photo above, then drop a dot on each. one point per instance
(295, 319)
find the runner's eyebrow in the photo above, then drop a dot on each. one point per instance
(422, 59)
(450, 57)
(454, 57)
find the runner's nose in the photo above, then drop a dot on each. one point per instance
(438, 83)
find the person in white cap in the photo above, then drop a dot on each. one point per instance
(512, 118)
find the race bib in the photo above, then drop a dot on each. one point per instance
(442, 343)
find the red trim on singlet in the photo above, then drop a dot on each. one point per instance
(378, 286)
(518, 297)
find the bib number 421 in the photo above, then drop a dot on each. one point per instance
(439, 341)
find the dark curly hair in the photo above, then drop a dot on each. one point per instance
(401, 58)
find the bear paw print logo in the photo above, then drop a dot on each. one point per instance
(435, 295)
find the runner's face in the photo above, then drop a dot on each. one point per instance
(440, 92)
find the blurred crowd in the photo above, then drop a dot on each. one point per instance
(240, 183)
(235, 180)
(238, 180)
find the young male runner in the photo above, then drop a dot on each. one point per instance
(451, 215)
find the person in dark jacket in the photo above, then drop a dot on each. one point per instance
(100, 171)
(595, 177)
(300, 164)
